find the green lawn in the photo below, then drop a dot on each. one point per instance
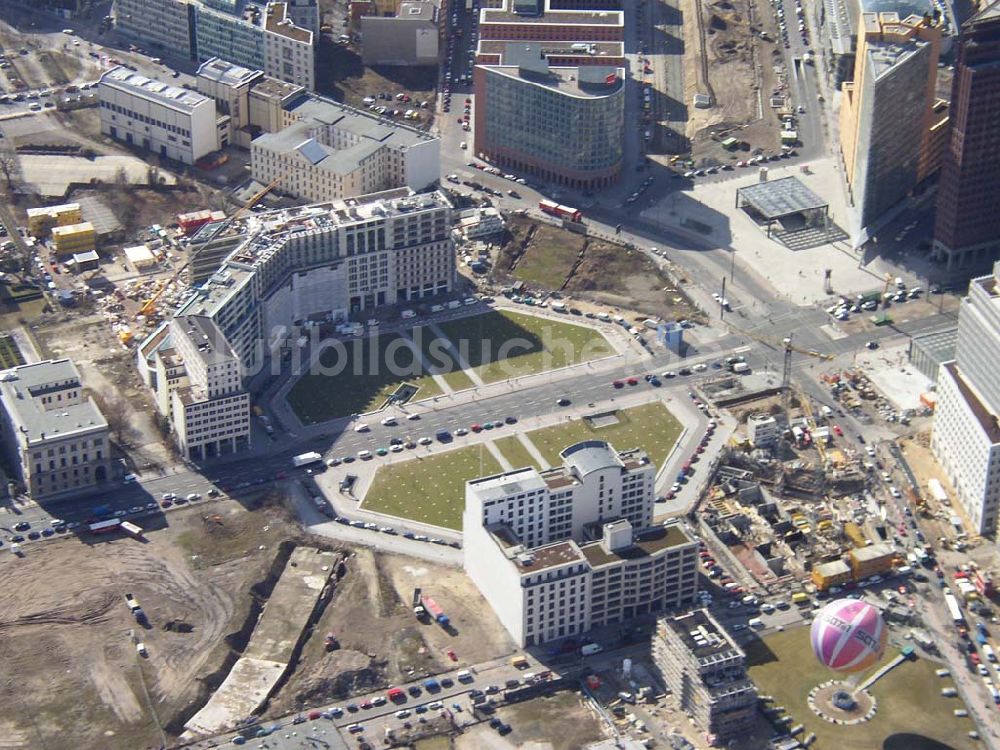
(501, 345)
(355, 382)
(431, 350)
(514, 451)
(429, 489)
(651, 427)
(909, 699)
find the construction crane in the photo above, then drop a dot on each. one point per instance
(785, 344)
(150, 305)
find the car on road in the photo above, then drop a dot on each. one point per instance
(684, 371)
(509, 420)
(618, 384)
(563, 401)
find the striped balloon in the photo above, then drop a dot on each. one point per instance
(848, 635)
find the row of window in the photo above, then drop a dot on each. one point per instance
(145, 119)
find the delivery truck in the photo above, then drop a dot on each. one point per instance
(306, 459)
(434, 610)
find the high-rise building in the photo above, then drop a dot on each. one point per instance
(967, 231)
(560, 552)
(563, 125)
(966, 436)
(888, 121)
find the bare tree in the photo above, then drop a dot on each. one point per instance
(10, 168)
(117, 412)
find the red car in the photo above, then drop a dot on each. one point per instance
(836, 429)
(633, 381)
(451, 654)
(476, 428)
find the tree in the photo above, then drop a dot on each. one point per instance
(117, 413)
(10, 168)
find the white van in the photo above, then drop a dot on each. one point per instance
(364, 455)
(464, 676)
(361, 427)
(437, 308)
(755, 622)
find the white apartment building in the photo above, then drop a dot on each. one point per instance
(966, 436)
(763, 430)
(198, 386)
(705, 669)
(170, 121)
(55, 437)
(561, 552)
(329, 150)
(278, 38)
(319, 262)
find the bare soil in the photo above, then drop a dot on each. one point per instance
(557, 722)
(381, 642)
(579, 267)
(69, 671)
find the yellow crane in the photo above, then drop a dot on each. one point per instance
(149, 307)
(784, 345)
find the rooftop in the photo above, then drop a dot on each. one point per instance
(644, 544)
(530, 561)
(206, 337)
(125, 80)
(423, 11)
(20, 389)
(702, 634)
(873, 552)
(777, 198)
(278, 22)
(615, 50)
(591, 455)
(273, 88)
(526, 61)
(939, 345)
(230, 74)
(549, 16)
(500, 486)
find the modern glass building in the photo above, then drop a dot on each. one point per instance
(563, 125)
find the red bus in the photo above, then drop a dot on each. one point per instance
(563, 212)
(104, 527)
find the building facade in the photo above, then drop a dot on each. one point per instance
(410, 37)
(329, 150)
(967, 230)
(55, 437)
(169, 121)
(561, 552)
(966, 435)
(706, 670)
(563, 125)
(257, 35)
(887, 121)
(321, 262)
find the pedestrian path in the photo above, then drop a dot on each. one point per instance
(419, 356)
(500, 457)
(453, 350)
(535, 453)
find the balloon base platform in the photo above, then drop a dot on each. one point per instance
(842, 703)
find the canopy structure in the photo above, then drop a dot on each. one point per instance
(786, 200)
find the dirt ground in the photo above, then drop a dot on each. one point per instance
(588, 269)
(71, 676)
(727, 61)
(557, 722)
(381, 642)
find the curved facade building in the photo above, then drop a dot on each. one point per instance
(563, 125)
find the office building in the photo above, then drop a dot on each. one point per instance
(563, 125)
(170, 121)
(263, 36)
(410, 37)
(541, 22)
(560, 552)
(319, 262)
(229, 85)
(706, 670)
(198, 386)
(966, 434)
(887, 115)
(329, 150)
(967, 231)
(55, 437)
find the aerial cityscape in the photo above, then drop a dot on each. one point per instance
(500, 374)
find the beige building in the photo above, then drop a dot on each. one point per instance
(42, 219)
(198, 386)
(888, 123)
(229, 85)
(328, 150)
(410, 37)
(54, 435)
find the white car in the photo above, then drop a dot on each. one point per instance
(389, 422)
(700, 367)
(412, 417)
(361, 427)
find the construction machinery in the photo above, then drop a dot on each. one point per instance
(149, 308)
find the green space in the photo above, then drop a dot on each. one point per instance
(502, 344)
(910, 705)
(514, 451)
(550, 259)
(357, 379)
(10, 353)
(431, 351)
(429, 489)
(651, 427)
